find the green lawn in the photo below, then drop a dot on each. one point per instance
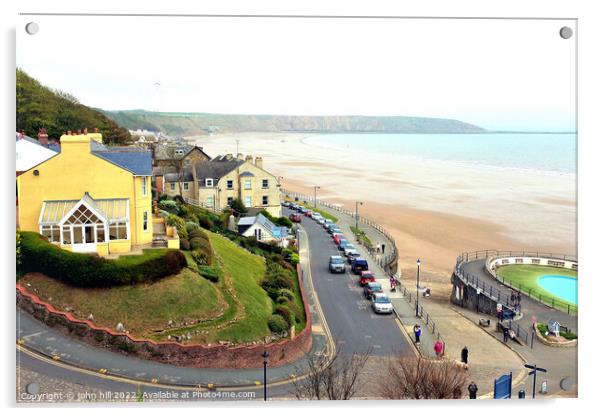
(525, 277)
(141, 308)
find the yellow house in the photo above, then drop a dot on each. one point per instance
(216, 183)
(89, 197)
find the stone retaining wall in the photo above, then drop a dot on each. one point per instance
(184, 355)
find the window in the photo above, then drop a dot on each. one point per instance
(209, 182)
(144, 186)
(230, 184)
(258, 234)
(118, 230)
(67, 234)
(185, 186)
(52, 233)
(230, 200)
(100, 234)
(264, 200)
(247, 183)
(248, 201)
(172, 186)
(210, 201)
(186, 162)
(145, 220)
(264, 184)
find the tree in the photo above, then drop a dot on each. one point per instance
(330, 378)
(422, 378)
(238, 206)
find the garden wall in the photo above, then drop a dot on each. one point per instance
(185, 355)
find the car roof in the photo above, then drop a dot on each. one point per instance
(336, 257)
(381, 295)
(374, 284)
(367, 271)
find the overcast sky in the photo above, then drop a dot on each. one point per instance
(498, 74)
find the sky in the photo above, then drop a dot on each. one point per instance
(497, 74)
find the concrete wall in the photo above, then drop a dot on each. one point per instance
(466, 296)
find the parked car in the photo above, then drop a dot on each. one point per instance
(352, 255)
(381, 303)
(327, 223)
(309, 213)
(348, 247)
(337, 235)
(336, 264)
(342, 244)
(358, 265)
(286, 204)
(320, 221)
(335, 229)
(295, 217)
(316, 216)
(366, 276)
(372, 288)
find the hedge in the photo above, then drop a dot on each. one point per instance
(84, 270)
(277, 324)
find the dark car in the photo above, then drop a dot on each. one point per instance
(336, 264)
(372, 287)
(342, 244)
(295, 217)
(358, 265)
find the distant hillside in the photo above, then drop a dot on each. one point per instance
(41, 107)
(189, 124)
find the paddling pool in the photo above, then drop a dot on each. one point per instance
(562, 287)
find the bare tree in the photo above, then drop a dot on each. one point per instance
(330, 378)
(423, 378)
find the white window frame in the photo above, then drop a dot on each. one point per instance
(144, 190)
(248, 204)
(230, 184)
(145, 227)
(265, 184)
(248, 184)
(210, 201)
(209, 182)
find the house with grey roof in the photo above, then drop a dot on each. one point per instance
(262, 229)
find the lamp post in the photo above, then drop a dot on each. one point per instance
(265, 356)
(357, 215)
(315, 195)
(417, 283)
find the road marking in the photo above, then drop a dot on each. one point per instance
(376, 346)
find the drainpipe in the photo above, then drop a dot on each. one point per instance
(135, 210)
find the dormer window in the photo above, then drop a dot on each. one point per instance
(209, 182)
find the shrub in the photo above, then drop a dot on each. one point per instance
(198, 233)
(84, 270)
(184, 244)
(281, 300)
(284, 312)
(277, 324)
(205, 222)
(190, 227)
(286, 294)
(169, 206)
(210, 273)
(294, 259)
(175, 221)
(201, 258)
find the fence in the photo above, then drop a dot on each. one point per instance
(387, 262)
(504, 298)
(430, 322)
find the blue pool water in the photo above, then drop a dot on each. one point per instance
(562, 287)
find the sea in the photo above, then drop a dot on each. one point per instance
(544, 152)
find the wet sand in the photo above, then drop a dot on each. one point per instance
(433, 210)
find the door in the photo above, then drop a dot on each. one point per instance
(84, 238)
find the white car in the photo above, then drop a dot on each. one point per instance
(381, 303)
(316, 216)
(349, 248)
(327, 222)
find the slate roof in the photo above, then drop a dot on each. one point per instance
(185, 176)
(215, 168)
(134, 159)
(52, 146)
(277, 232)
(162, 153)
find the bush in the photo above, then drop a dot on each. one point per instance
(184, 244)
(277, 324)
(210, 273)
(205, 222)
(84, 270)
(201, 258)
(281, 300)
(169, 206)
(284, 312)
(198, 233)
(175, 221)
(190, 227)
(286, 294)
(294, 259)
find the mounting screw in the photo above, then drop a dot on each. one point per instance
(566, 32)
(32, 28)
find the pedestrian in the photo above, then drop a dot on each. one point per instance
(512, 297)
(417, 333)
(438, 348)
(506, 334)
(472, 390)
(465, 355)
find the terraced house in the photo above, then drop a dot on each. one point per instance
(216, 183)
(89, 197)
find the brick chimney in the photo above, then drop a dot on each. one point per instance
(259, 162)
(249, 159)
(238, 156)
(43, 136)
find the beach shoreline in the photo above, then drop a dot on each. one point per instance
(434, 211)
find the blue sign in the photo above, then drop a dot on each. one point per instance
(502, 387)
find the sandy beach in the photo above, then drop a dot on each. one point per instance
(434, 209)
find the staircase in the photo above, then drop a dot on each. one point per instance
(159, 234)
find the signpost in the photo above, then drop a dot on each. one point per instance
(533, 372)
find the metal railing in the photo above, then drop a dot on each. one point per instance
(428, 319)
(505, 298)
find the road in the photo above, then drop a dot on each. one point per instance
(350, 318)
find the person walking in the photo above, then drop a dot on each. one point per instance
(438, 348)
(472, 390)
(417, 333)
(464, 355)
(506, 334)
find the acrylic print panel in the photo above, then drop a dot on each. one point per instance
(250, 208)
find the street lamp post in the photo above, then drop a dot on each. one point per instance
(357, 215)
(316, 196)
(417, 283)
(265, 356)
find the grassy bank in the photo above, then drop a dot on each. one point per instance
(361, 235)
